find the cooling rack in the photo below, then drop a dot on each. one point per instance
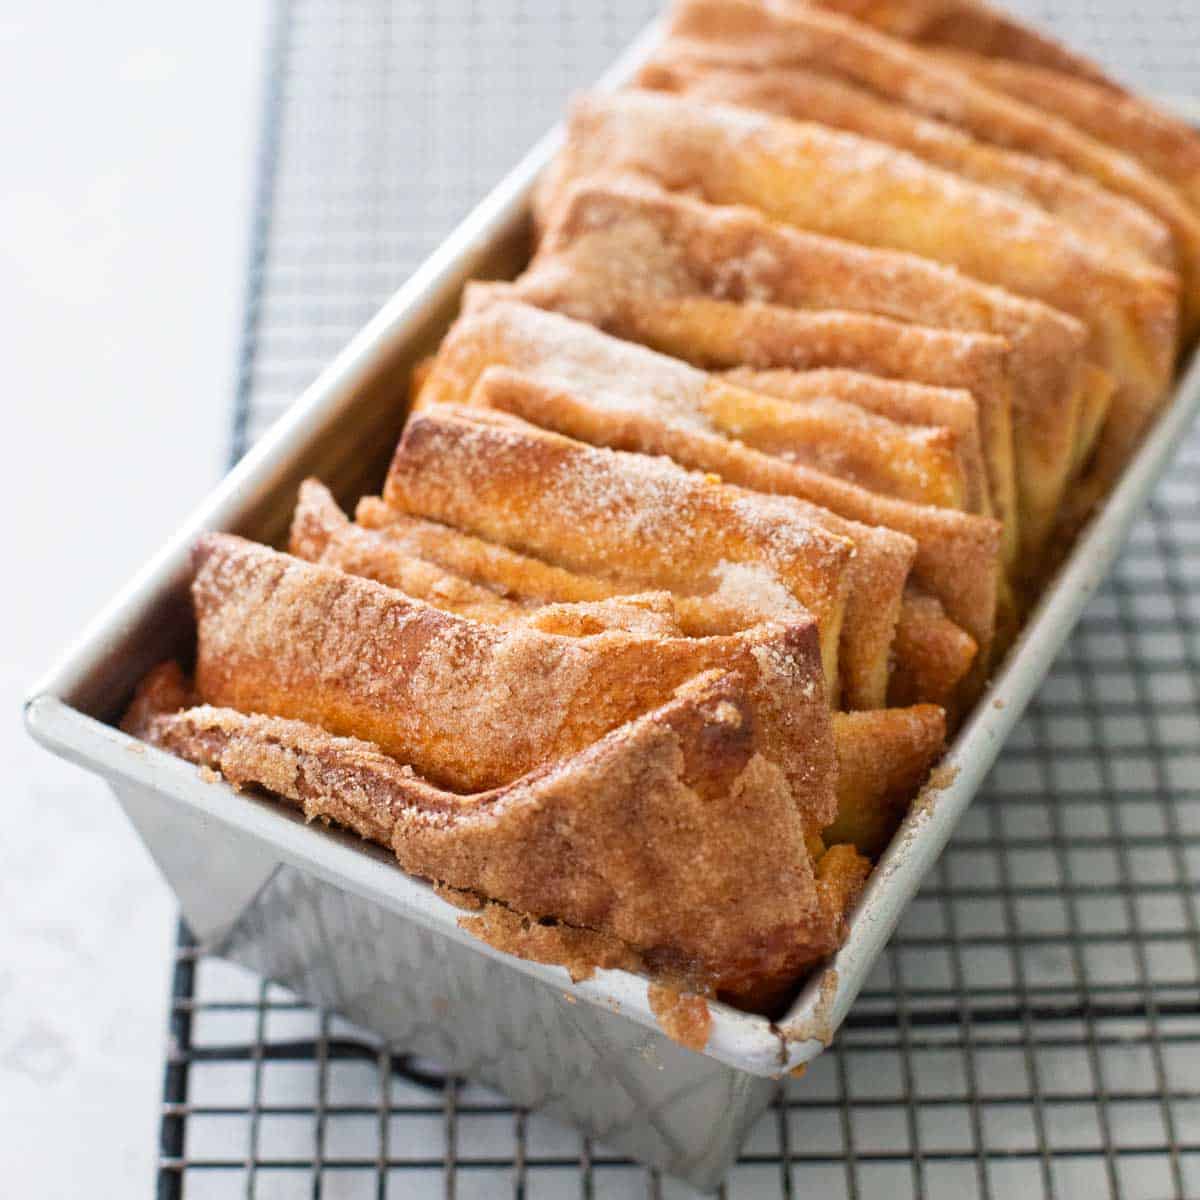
(1034, 1027)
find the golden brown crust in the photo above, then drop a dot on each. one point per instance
(495, 567)
(620, 380)
(898, 400)
(883, 758)
(735, 253)
(540, 592)
(322, 534)
(611, 514)
(283, 637)
(969, 25)
(759, 36)
(673, 814)
(956, 555)
(806, 94)
(876, 601)
(934, 657)
(926, 466)
(1160, 142)
(874, 772)
(697, 282)
(876, 574)
(626, 503)
(842, 185)
(460, 574)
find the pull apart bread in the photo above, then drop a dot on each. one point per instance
(766, 35)
(662, 279)
(842, 185)
(726, 287)
(967, 25)
(641, 755)
(565, 376)
(703, 531)
(805, 93)
(1026, 65)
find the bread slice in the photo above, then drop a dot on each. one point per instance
(806, 93)
(759, 36)
(734, 253)
(968, 25)
(676, 846)
(838, 184)
(467, 705)
(1165, 145)
(622, 380)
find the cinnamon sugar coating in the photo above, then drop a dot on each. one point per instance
(805, 93)
(1025, 378)
(875, 794)
(622, 384)
(629, 399)
(874, 609)
(613, 513)
(684, 281)
(758, 35)
(467, 705)
(969, 25)
(926, 466)
(453, 571)
(670, 815)
(898, 400)
(846, 186)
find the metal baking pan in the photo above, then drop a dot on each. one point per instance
(334, 919)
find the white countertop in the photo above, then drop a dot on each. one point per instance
(128, 146)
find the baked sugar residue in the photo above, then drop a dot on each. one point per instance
(939, 779)
(683, 1016)
(818, 1025)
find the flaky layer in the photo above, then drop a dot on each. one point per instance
(876, 574)
(619, 381)
(682, 280)
(1162, 143)
(843, 185)
(531, 587)
(468, 705)
(874, 609)
(672, 815)
(807, 94)
(735, 254)
(935, 659)
(968, 25)
(623, 288)
(898, 400)
(956, 555)
(757, 36)
(634, 519)
(883, 758)
(458, 573)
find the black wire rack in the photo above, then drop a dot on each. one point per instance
(1033, 1028)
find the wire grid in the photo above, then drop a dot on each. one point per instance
(1033, 1028)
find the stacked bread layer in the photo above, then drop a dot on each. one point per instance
(705, 530)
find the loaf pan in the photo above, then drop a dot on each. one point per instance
(335, 920)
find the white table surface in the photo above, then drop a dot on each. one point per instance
(125, 187)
